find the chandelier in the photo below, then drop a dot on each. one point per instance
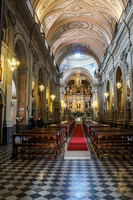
(41, 87)
(13, 64)
(106, 94)
(52, 97)
(118, 85)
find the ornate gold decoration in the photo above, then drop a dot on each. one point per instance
(41, 87)
(106, 94)
(118, 84)
(0, 70)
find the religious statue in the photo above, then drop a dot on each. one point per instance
(78, 80)
(68, 89)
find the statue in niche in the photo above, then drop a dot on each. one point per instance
(78, 80)
(68, 89)
(78, 106)
(0, 71)
(88, 90)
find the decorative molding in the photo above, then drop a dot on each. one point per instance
(12, 18)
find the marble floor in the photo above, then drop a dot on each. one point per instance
(42, 179)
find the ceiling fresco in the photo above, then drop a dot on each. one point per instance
(84, 26)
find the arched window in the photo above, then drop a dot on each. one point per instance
(119, 90)
(108, 98)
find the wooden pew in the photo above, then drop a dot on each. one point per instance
(67, 125)
(34, 144)
(95, 129)
(90, 124)
(117, 143)
(37, 141)
(59, 131)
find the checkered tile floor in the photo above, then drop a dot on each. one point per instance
(41, 179)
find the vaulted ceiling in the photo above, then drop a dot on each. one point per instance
(84, 26)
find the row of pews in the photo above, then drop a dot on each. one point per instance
(109, 141)
(42, 141)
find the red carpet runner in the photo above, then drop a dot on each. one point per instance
(77, 142)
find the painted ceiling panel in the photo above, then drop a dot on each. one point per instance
(68, 23)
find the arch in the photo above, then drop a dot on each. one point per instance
(83, 71)
(33, 108)
(21, 50)
(108, 98)
(119, 90)
(40, 94)
(5, 28)
(40, 74)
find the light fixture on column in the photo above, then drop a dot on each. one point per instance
(52, 97)
(41, 87)
(63, 104)
(106, 94)
(118, 84)
(13, 64)
(94, 105)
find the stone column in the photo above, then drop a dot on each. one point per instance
(111, 98)
(115, 96)
(124, 120)
(7, 123)
(131, 97)
(57, 105)
(100, 102)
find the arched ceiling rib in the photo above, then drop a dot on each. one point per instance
(78, 25)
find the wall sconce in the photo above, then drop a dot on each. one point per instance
(53, 97)
(94, 105)
(118, 85)
(41, 87)
(63, 104)
(106, 94)
(13, 64)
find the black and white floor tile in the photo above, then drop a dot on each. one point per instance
(42, 179)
